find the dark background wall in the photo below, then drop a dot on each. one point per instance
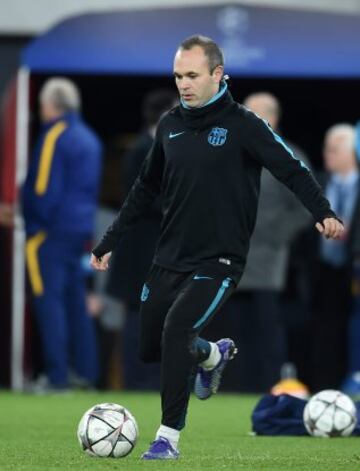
(310, 106)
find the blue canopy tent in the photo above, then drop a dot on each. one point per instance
(258, 42)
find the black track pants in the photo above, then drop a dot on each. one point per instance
(175, 307)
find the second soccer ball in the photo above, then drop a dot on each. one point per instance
(330, 413)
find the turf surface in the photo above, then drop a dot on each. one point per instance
(39, 433)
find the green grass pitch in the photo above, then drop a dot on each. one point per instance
(39, 433)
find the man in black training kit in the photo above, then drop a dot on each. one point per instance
(206, 162)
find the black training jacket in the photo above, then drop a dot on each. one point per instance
(206, 163)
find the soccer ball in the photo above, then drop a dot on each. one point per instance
(330, 414)
(107, 430)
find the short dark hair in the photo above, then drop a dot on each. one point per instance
(156, 103)
(211, 49)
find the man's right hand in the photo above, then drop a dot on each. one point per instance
(101, 263)
(331, 228)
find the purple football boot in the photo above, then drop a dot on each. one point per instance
(161, 449)
(207, 382)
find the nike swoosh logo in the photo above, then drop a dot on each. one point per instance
(172, 135)
(199, 277)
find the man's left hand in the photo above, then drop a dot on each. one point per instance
(330, 228)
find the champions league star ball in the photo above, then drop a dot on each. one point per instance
(330, 414)
(107, 430)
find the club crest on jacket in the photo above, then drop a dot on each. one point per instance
(217, 136)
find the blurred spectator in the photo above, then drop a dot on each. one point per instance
(333, 270)
(59, 202)
(357, 141)
(351, 384)
(131, 261)
(260, 330)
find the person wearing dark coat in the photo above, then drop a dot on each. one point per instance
(132, 259)
(255, 310)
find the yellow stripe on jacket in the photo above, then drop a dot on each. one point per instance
(32, 260)
(46, 157)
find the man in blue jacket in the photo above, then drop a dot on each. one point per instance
(59, 202)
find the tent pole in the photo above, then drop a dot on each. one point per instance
(18, 255)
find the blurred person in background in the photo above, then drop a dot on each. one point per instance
(256, 305)
(132, 259)
(332, 301)
(351, 384)
(59, 200)
(206, 163)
